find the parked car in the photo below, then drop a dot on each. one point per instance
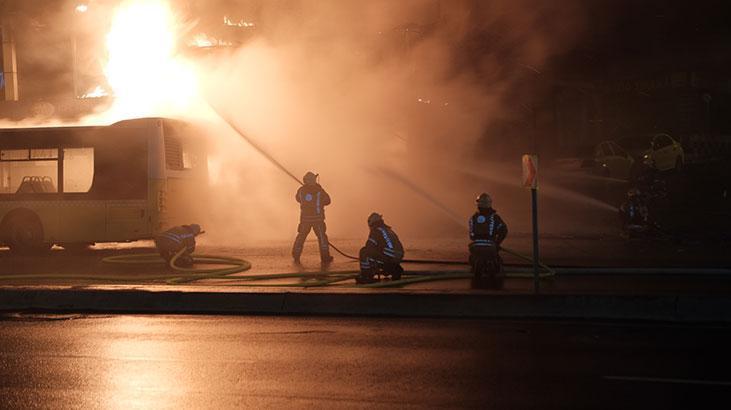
(659, 151)
(611, 160)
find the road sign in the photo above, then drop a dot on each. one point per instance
(530, 171)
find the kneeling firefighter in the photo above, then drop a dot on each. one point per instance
(382, 252)
(487, 232)
(312, 199)
(172, 241)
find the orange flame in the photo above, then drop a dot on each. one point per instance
(146, 76)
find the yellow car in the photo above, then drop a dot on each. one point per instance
(612, 161)
(659, 151)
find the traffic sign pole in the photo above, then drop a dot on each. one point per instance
(534, 202)
(530, 180)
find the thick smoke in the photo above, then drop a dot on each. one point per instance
(385, 100)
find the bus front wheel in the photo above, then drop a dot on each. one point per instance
(26, 235)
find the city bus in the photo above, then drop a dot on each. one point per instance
(76, 186)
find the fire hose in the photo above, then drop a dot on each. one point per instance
(183, 275)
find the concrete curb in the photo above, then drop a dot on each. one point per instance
(162, 300)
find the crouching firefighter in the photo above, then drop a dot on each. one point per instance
(487, 232)
(634, 213)
(177, 239)
(382, 253)
(313, 200)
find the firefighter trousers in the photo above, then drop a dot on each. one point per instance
(303, 230)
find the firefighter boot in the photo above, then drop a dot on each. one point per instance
(366, 276)
(326, 260)
(184, 261)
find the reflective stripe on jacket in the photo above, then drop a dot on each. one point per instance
(178, 237)
(486, 225)
(313, 200)
(385, 241)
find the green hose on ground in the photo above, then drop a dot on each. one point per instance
(187, 275)
(234, 265)
(231, 266)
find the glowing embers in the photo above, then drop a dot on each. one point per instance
(97, 92)
(142, 68)
(241, 23)
(203, 40)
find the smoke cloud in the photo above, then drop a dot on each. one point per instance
(387, 100)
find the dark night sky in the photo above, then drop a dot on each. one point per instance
(685, 34)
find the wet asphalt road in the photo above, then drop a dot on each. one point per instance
(273, 362)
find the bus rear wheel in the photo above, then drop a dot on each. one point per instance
(26, 235)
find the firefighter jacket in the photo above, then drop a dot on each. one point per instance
(177, 238)
(382, 240)
(312, 199)
(634, 211)
(487, 228)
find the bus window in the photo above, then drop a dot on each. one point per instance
(44, 153)
(78, 169)
(14, 154)
(25, 171)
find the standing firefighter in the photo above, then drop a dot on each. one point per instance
(487, 232)
(382, 252)
(312, 199)
(172, 241)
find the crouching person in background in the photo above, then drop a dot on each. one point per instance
(174, 240)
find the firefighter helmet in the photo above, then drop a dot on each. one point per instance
(374, 219)
(484, 201)
(310, 178)
(195, 228)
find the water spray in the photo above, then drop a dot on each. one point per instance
(270, 158)
(423, 194)
(253, 143)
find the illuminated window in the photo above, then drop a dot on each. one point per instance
(35, 170)
(78, 169)
(20, 175)
(188, 160)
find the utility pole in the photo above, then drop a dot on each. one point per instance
(530, 174)
(534, 202)
(530, 180)
(9, 63)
